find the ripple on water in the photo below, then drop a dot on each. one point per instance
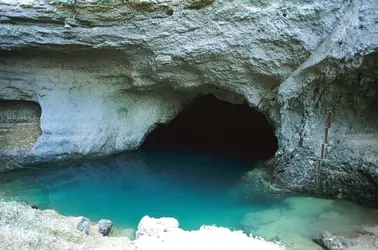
(193, 188)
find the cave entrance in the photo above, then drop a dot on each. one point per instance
(213, 126)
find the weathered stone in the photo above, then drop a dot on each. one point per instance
(104, 227)
(84, 225)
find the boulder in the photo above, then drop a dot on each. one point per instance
(84, 225)
(152, 226)
(104, 227)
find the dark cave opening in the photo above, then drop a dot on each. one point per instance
(212, 126)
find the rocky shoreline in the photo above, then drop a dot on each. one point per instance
(24, 227)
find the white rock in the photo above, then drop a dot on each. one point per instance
(152, 226)
(207, 237)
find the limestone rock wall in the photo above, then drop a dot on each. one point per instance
(87, 108)
(105, 75)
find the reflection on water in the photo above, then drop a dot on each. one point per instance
(193, 188)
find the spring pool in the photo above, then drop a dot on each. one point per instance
(194, 188)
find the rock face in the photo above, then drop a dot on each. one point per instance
(106, 74)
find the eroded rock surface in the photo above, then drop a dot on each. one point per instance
(105, 75)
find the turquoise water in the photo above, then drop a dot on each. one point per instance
(194, 188)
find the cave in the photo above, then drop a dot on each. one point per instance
(212, 126)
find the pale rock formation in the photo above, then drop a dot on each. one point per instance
(151, 226)
(164, 233)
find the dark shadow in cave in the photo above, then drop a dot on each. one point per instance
(211, 126)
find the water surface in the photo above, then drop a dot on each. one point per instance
(194, 188)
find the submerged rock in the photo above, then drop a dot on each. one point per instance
(252, 221)
(255, 186)
(104, 227)
(84, 225)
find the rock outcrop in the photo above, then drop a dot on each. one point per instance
(105, 74)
